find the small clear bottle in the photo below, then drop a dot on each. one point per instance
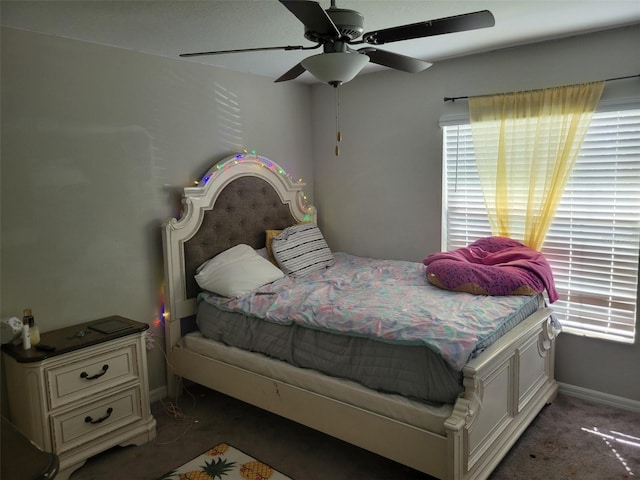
(27, 317)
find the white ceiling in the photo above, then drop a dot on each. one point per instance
(168, 28)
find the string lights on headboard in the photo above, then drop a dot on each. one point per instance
(246, 157)
(252, 157)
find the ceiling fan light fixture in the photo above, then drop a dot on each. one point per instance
(335, 68)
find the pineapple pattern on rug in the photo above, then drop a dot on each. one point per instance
(224, 462)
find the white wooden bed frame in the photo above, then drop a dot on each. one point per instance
(505, 387)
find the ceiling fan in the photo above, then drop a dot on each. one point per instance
(337, 29)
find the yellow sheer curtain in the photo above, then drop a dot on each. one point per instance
(525, 146)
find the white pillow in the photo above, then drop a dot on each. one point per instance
(236, 272)
(301, 249)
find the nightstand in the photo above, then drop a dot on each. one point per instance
(86, 396)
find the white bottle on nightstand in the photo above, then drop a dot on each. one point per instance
(26, 341)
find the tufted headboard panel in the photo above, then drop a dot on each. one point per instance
(243, 211)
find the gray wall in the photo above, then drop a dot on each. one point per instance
(97, 144)
(382, 196)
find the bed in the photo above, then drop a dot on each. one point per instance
(461, 434)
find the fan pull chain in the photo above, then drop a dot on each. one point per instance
(338, 132)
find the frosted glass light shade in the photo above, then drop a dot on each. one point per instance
(335, 68)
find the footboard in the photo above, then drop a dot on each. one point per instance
(505, 388)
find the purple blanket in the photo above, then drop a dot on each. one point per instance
(494, 266)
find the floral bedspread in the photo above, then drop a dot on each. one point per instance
(388, 300)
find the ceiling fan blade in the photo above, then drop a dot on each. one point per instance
(242, 50)
(457, 23)
(312, 15)
(294, 72)
(395, 60)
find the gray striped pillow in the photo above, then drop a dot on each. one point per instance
(301, 249)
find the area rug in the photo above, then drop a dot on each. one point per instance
(223, 462)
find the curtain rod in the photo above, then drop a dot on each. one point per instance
(453, 99)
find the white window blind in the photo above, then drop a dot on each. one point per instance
(593, 243)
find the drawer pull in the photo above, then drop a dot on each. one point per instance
(101, 419)
(86, 376)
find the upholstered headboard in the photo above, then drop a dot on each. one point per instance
(236, 201)
(244, 210)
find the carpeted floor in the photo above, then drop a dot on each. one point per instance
(570, 439)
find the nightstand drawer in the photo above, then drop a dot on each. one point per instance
(91, 374)
(92, 422)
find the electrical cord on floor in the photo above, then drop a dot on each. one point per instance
(173, 410)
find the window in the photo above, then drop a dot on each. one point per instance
(593, 243)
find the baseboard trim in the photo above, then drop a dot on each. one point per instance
(157, 394)
(599, 397)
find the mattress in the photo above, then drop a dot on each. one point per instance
(413, 371)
